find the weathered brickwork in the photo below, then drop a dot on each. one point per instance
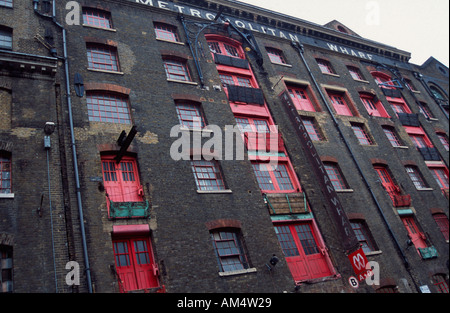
(181, 219)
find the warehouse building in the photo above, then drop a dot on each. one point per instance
(212, 146)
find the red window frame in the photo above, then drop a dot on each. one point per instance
(441, 283)
(208, 175)
(5, 173)
(392, 136)
(442, 222)
(374, 108)
(97, 18)
(304, 250)
(108, 107)
(414, 233)
(325, 66)
(229, 250)
(135, 263)
(335, 175)
(387, 182)
(190, 115)
(440, 174)
(236, 80)
(166, 32)
(177, 70)
(340, 104)
(277, 178)
(102, 57)
(121, 180)
(6, 3)
(399, 105)
(225, 47)
(301, 99)
(276, 56)
(361, 134)
(312, 128)
(420, 141)
(423, 108)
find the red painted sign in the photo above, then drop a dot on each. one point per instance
(359, 261)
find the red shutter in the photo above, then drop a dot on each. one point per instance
(121, 180)
(135, 264)
(305, 257)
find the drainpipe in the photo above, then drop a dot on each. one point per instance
(74, 152)
(300, 50)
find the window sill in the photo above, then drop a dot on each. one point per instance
(214, 191)
(182, 82)
(331, 74)
(345, 190)
(402, 147)
(6, 196)
(374, 253)
(362, 81)
(201, 130)
(105, 71)
(238, 272)
(101, 28)
(282, 64)
(169, 41)
(424, 189)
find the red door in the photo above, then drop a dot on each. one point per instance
(121, 180)
(305, 258)
(417, 237)
(340, 105)
(135, 264)
(387, 182)
(300, 99)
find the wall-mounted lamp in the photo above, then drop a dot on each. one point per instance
(273, 261)
(49, 129)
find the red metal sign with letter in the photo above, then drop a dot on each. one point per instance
(359, 261)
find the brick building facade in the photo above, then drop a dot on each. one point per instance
(359, 136)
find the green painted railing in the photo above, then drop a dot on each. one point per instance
(428, 253)
(129, 209)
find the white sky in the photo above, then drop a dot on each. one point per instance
(420, 27)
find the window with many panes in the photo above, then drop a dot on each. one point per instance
(6, 3)
(444, 140)
(229, 249)
(335, 175)
(425, 110)
(97, 18)
(5, 38)
(224, 48)
(5, 172)
(361, 134)
(312, 128)
(166, 32)
(440, 174)
(441, 283)
(416, 177)
(108, 107)
(235, 80)
(392, 136)
(190, 115)
(355, 73)
(6, 269)
(102, 57)
(399, 105)
(363, 235)
(274, 178)
(208, 175)
(442, 222)
(177, 70)
(325, 66)
(276, 56)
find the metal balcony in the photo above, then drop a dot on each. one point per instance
(119, 210)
